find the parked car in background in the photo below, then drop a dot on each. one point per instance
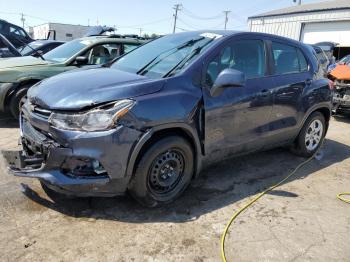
(345, 60)
(19, 73)
(328, 48)
(35, 48)
(39, 47)
(7, 49)
(15, 34)
(150, 121)
(322, 58)
(340, 75)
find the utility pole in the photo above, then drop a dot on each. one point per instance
(177, 8)
(226, 17)
(140, 32)
(22, 19)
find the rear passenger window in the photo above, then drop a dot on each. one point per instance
(288, 59)
(247, 56)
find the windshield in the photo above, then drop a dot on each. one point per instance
(345, 60)
(27, 49)
(66, 51)
(157, 58)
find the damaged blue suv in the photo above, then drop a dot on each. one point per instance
(151, 120)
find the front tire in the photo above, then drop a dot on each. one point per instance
(311, 135)
(163, 172)
(17, 101)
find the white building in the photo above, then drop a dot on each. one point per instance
(309, 23)
(64, 32)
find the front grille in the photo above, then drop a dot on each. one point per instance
(41, 112)
(30, 132)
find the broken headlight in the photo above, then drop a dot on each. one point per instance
(94, 120)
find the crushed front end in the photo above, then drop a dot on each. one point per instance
(73, 162)
(340, 76)
(341, 97)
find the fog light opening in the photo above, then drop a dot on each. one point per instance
(98, 168)
(84, 167)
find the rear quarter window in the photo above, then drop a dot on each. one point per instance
(288, 59)
(302, 61)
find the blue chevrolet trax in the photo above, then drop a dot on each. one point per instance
(149, 122)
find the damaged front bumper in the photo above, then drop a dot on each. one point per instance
(73, 162)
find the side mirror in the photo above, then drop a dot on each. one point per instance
(38, 53)
(81, 60)
(227, 78)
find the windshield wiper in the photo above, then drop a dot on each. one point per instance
(152, 63)
(35, 51)
(187, 58)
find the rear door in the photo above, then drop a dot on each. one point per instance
(237, 119)
(291, 75)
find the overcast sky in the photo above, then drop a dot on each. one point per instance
(130, 15)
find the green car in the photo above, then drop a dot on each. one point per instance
(18, 74)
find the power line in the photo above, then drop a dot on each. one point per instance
(144, 24)
(182, 29)
(188, 24)
(9, 13)
(217, 26)
(194, 16)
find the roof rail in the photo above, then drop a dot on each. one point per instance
(115, 36)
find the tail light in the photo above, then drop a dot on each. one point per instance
(331, 84)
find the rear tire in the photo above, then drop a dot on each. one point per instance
(163, 172)
(17, 101)
(311, 135)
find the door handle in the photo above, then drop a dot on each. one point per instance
(308, 82)
(265, 92)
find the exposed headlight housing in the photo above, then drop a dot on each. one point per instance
(94, 120)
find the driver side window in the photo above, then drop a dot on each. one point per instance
(247, 56)
(102, 54)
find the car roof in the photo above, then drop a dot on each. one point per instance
(6, 22)
(47, 41)
(228, 33)
(111, 39)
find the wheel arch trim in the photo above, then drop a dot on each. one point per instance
(166, 127)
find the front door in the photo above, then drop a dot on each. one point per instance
(238, 119)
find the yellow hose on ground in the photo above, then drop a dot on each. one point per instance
(346, 200)
(236, 214)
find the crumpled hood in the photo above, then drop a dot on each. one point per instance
(81, 89)
(21, 61)
(341, 72)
